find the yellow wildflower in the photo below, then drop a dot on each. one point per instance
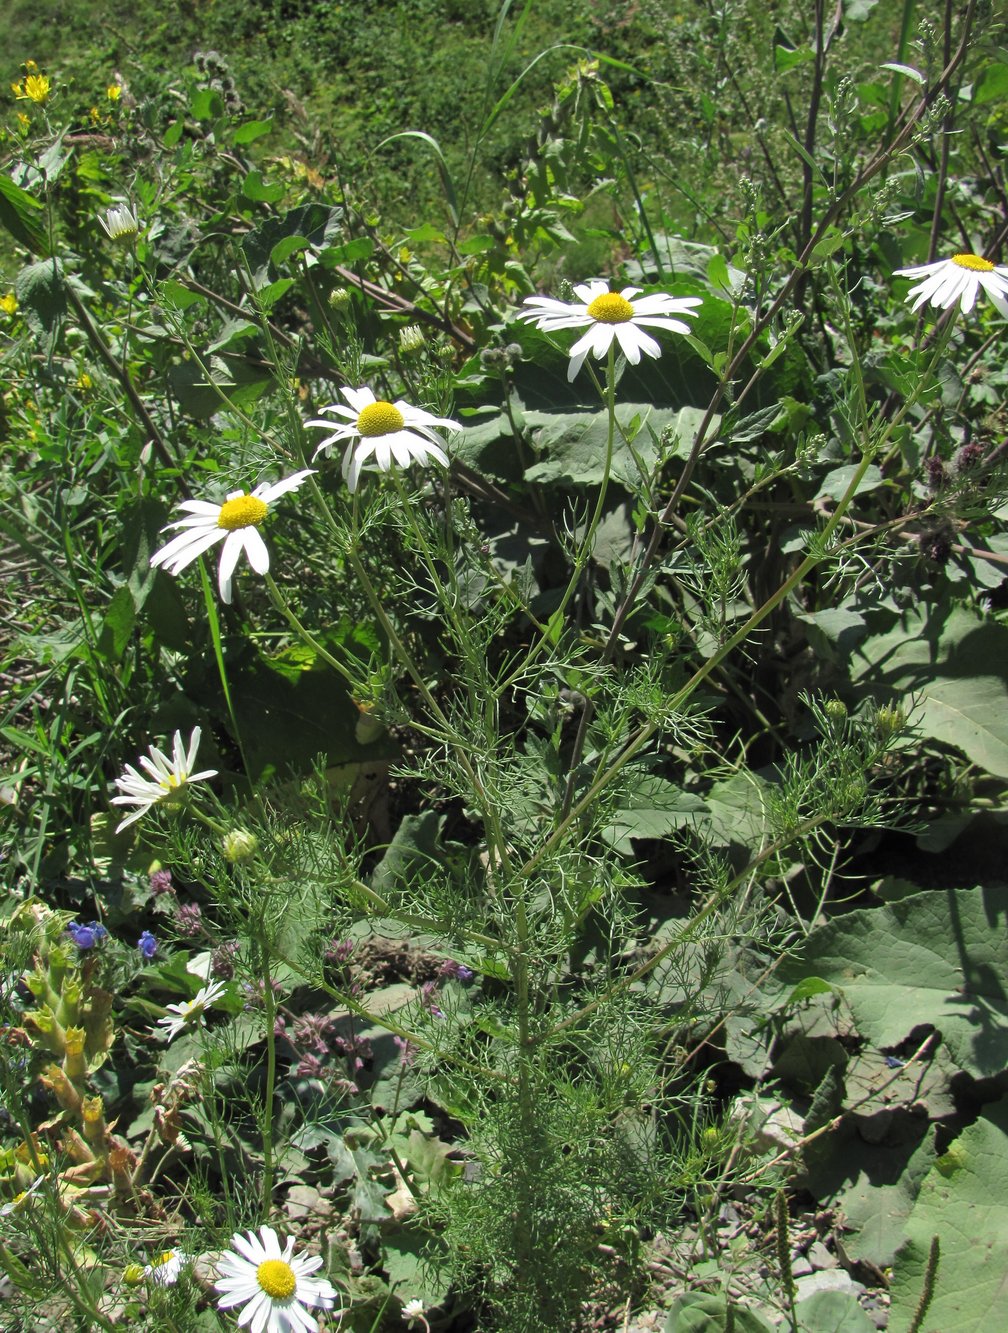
(23, 120)
(33, 88)
(30, 67)
(113, 92)
(8, 303)
(94, 116)
(84, 382)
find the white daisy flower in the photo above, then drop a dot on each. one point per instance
(277, 1286)
(165, 1270)
(167, 777)
(372, 426)
(190, 1012)
(413, 1309)
(120, 222)
(610, 316)
(235, 522)
(960, 278)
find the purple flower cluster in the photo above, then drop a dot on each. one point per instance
(86, 937)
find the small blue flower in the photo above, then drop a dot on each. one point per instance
(86, 937)
(147, 945)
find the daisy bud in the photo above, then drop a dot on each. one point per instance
(239, 845)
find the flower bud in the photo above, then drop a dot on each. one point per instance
(73, 1062)
(54, 1078)
(93, 1114)
(411, 340)
(133, 1275)
(42, 1024)
(339, 300)
(239, 845)
(889, 721)
(836, 711)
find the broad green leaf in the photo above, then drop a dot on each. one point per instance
(832, 1312)
(652, 809)
(703, 1312)
(880, 1184)
(18, 214)
(573, 444)
(256, 188)
(936, 959)
(992, 85)
(907, 71)
(834, 485)
(41, 295)
(738, 811)
(251, 130)
(956, 673)
(117, 625)
(964, 1202)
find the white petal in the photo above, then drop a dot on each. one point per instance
(270, 1243)
(278, 488)
(256, 550)
(250, 1246)
(233, 547)
(634, 341)
(358, 398)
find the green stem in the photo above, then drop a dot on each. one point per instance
(269, 1003)
(552, 628)
(122, 375)
(281, 604)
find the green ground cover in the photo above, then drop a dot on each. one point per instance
(503, 779)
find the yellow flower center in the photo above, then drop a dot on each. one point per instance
(165, 1258)
(276, 1279)
(380, 418)
(244, 511)
(974, 263)
(174, 781)
(611, 308)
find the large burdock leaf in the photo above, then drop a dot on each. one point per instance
(955, 671)
(964, 1202)
(935, 959)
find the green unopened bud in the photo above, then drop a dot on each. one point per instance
(38, 983)
(41, 1023)
(60, 960)
(239, 845)
(93, 1115)
(889, 721)
(711, 1137)
(133, 1275)
(54, 1078)
(836, 711)
(73, 1061)
(339, 300)
(411, 340)
(69, 1007)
